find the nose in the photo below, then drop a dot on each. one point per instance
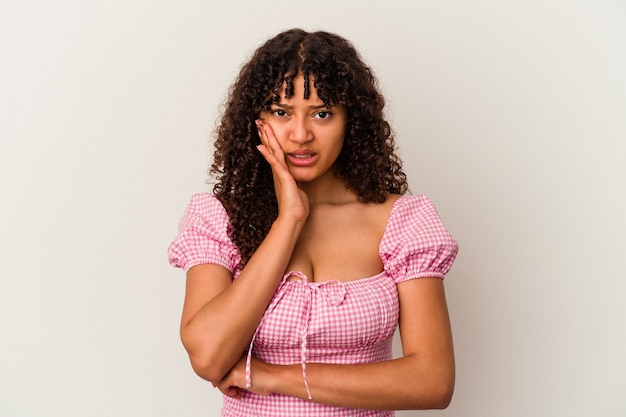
(300, 130)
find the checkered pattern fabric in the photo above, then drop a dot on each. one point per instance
(323, 322)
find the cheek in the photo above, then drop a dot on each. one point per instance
(279, 133)
(340, 138)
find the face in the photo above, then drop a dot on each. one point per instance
(310, 133)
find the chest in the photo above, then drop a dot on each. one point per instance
(340, 244)
(331, 317)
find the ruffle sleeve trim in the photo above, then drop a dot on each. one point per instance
(416, 244)
(203, 236)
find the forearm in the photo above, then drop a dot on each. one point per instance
(219, 332)
(410, 382)
(422, 379)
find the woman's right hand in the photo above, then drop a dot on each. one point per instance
(292, 201)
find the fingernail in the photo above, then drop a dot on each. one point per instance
(258, 122)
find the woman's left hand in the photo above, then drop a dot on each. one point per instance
(235, 380)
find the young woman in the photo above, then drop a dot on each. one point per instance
(307, 256)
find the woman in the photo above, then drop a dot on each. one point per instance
(307, 256)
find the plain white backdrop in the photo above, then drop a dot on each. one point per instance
(511, 116)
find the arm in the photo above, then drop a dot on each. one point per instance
(422, 378)
(220, 316)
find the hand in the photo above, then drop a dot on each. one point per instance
(292, 200)
(235, 380)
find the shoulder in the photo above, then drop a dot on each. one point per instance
(416, 238)
(203, 235)
(412, 207)
(205, 208)
(205, 203)
(416, 217)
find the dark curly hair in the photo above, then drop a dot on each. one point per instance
(367, 163)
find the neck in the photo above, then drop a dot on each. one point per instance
(327, 190)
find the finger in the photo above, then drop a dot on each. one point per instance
(262, 134)
(279, 168)
(273, 142)
(267, 154)
(228, 386)
(270, 148)
(233, 392)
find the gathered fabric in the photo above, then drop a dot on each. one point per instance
(331, 291)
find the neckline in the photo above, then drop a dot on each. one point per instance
(305, 277)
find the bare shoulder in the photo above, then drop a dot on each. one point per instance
(391, 200)
(381, 212)
(371, 216)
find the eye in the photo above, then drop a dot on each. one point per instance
(323, 115)
(279, 113)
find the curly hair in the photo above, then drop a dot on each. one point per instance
(367, 162)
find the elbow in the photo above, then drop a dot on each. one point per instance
(438, 382)
(441, 393)
(443, 397)
(207, 368)
(205, 361)
(433, 393)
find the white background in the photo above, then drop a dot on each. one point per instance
(511, 116)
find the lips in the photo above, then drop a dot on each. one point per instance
(302, 157)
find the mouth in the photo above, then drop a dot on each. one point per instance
(302, 158)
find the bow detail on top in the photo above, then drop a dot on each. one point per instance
(333, 292)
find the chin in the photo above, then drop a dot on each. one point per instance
(303, 179)
(303, 176)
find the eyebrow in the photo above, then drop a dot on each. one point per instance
(289, 107)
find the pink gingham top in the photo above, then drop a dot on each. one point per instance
(322, 322)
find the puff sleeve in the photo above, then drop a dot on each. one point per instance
(416, 244)
(203, 236)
